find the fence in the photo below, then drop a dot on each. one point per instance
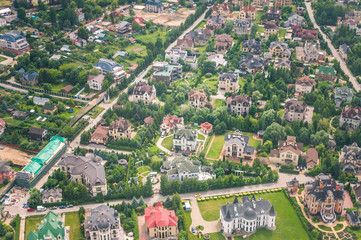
(17, 147)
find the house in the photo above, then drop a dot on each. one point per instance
(239, 104)
(242, 26)
(215, 22)
(100, 135)
(37, 134)
(160, 222)
(198, 98)
(292, 186)
(252, 46)
(221, 9)
(288, 151)
(228, 82)
(198, 37)
(51, 227)
(170, 123)
(248, 216)
(185, 44)
(295, 19)
(344, 50)
(154, 6)
(52, 195)
(176, 53)
(273, 13)
(279, 48)
(305, 84)
(300, 10)
(6, 171)
(123, 27)
(20, 115)
(67, 89)
(65, 48)
(120, 128)
(192, 61)
(353, 218)
(311, 157)
(282, 3)
(350, 159)
(40, 101)
(311, 52)
(357, 191)
(223, 42)
(148, 121)
(297, 110)
(326, 73)
(284, 63)
(95, 81)
(324, 196)
(77, 41)
(218, 59)
(351, 117)
(49, 108)
(236, 145)
(206, 128)
(79, 13)
(353, 14)
(185, 139)
(2, 126)
(85, 170)
(248, 12)
(343, 94)
(251, 64)
(14, 42)
(259, 3)
(163, 71)
(145, 93)
(106, 65)
(181, 168)
(140, 21)
(270, 27)
(103, 223)
(352, 24)
(304, 34)
(31, 79)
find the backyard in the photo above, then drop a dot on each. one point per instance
(168, 143)
(252, 142)
(216, 147)
(72, 220)
(287, 222)
(31, 223)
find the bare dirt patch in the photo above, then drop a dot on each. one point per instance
(16, 156)
(173, 19)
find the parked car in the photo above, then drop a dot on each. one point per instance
(53, 208)
(62, 207)
(70, 206)
(193, 230)
(31, 209)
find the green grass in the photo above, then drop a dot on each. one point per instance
(2, 59)
(280, 113)
(325, 228)
(168, 143)
(216, 147)
(137, 48)
(5, 3)
(31, 223)
(143, 169)
(152, 37)
(72, 220)
(282, 33)
(258, 19)
(356, 232)
(201, 24)
(287, 222)
(68, 115)
(260, 29)
(338, 227)
(95, 112)
(188, 222)
(201, 137)
(252, 142)
(219, 102)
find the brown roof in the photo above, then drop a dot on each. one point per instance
(36, 131)
(148, 120)
(235, 99)
(67, 89)
(121, 124)
(351, 112)
(99, 78)
(100, 132)
(197, 94)
(206, 126)
(187, 41)
(311, 157)
(223, 38)
(208, 32)
(296, 106)
(142, 88)
(305, 81)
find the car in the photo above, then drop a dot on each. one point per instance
(193, 230)
(185, 154)
(70, 206)
(353, 182)
(31, 209)
(297, 167)
(53, 208)
(62, 207)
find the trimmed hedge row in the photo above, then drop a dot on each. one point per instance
(289, 171)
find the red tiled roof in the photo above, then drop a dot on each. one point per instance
(206, 126)
(159, 216)
(2, 124)
(351, 112)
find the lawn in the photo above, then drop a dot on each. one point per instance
(260, 29)
(325, 228)
(137, 48)
(152, 37)
(72, 220)
(216, 147)
(280, 113)
(282, 33)
(66, 114)
(201, 137)
(168, 143)
(213, 236)
(201, 24)
(143, 169)
(2, 59)
(356, 232)
(5, 3)
(259, 15)
(287, 222)
(31, 223)
(220, 102)
(252, 142)
(338, 227)
(95, 112)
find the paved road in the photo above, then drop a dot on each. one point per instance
(343, 65)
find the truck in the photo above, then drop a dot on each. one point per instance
(40, 208)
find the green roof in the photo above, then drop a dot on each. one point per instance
(325, 70)
(51, 226)
(33, 167)
(48, 151)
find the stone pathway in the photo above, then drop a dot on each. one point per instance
(197, 219)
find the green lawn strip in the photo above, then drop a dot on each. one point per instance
(201, 137)
(168, 143)
(282, 33)
(220, 102)
(32, 222)
(287, 222)
(258, 19)
(338, 227)
(280, 113)
(252, 142)
(325, 228)
(260, 29)
(72, 220)
(2, 59)
(216, 147)
(144, 169)
(95, 112)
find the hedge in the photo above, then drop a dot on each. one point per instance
(289, 171)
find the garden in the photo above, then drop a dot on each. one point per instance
(216, 148)
(73, 221)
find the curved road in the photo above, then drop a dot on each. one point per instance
(343, 65)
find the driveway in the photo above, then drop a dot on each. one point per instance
(197, 219)
(142, 229)
(159, 145)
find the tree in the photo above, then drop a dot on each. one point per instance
(47, 86)
(22, 14)
(52, 15)
(83, 33)
(256, 95)
(274, 133)
(134, 203)
(9, 236)
(219, 172)
(267, 146)
(254, 30)
(35, 198)
(131, 12)
(320, 137)
(168, 202)
(209, 67)
(2, 230)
